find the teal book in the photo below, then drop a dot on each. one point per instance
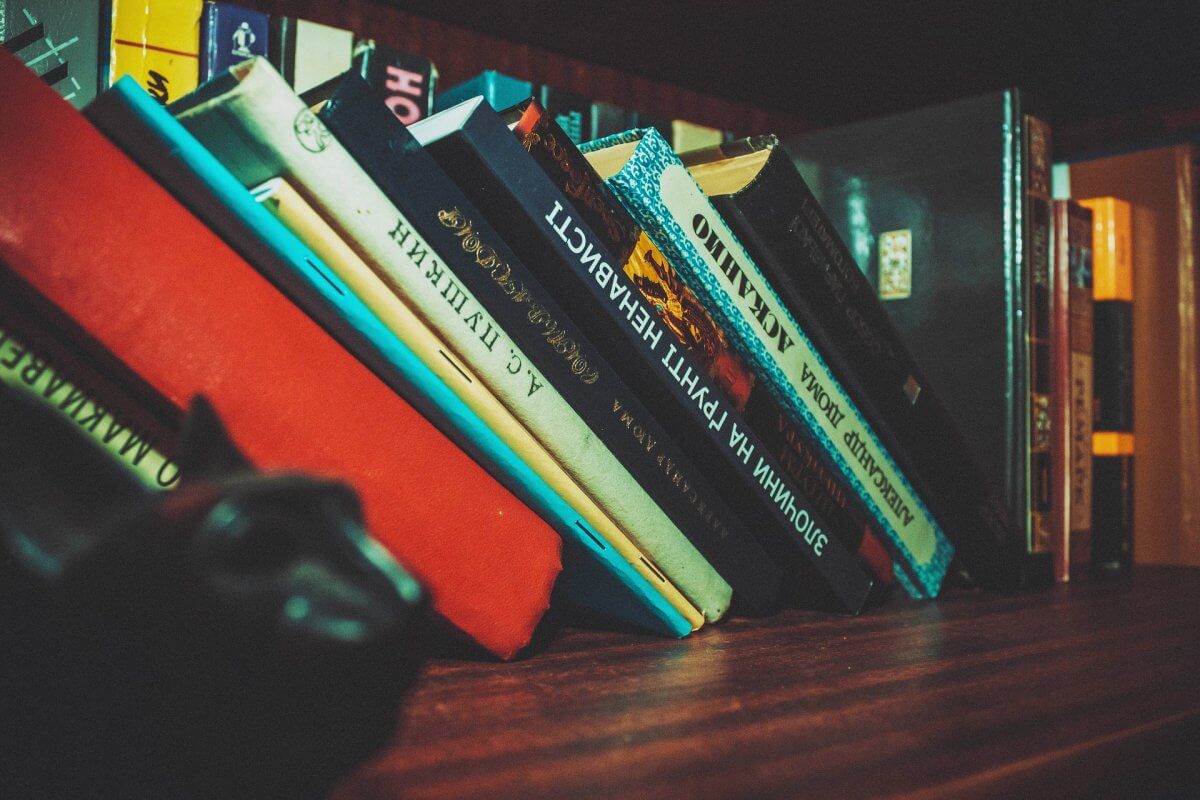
(652, 183)
(595, 576)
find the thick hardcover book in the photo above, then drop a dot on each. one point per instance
(253, 104)
(403, 81)
(683, 315)
(506, 288)
(60, 40)
(229, 34)
(158, 43)
(499, 90)
(1072, 342)
(388, 343)
(648, 177)
(1113, 437)
(572, 112)
(475, 147)
(188, 315)
(755, 186)
(958, 286)
(37, 362)
(307, 54)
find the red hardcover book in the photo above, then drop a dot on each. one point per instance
(92, 234)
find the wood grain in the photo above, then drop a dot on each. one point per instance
(1088, 689)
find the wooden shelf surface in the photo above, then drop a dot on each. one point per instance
(1089, 689)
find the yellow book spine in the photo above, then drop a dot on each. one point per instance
(158, 43)
(294, 212)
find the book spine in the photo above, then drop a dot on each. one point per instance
(230, 34)
(678, 309)
(578, 268)
(60, 40)
(1059, 528)
(793, 240)
(158, 43)
(1113, 440)
(32, 362)
(1039, 338)
(571, 112)
(263, 110)
(404, 82)
(665, 200)
(1082, 390)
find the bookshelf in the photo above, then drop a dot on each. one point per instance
(1082, 690)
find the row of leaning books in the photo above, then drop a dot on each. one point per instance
(81, 46)
(662, 373)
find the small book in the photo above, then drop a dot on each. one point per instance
(158, 43)
(572, 112)
(308, 54)
(662, 197)
(478, 151)
(149, 284)
(405, 82)
(497, 89)
(1113, 438)
(61, 41)
(549, 339)
(230, 34)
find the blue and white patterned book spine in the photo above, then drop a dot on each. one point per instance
(669, 205)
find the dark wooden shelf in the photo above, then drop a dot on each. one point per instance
(1088, 689)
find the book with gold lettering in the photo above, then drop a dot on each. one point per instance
(302, 254)
(158, 43)
(657, 190)
(251, 103)
(475, 147)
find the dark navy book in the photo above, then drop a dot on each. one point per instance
(230, 34)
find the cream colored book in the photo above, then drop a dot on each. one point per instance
(293, 211)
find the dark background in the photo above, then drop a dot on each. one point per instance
(830, 62)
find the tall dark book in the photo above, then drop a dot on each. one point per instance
(947, 212)
(229, 34)
(573, 261)
(767, 204)
(479, 257)
(405, 82)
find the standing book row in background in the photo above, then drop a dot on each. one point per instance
(170, 46)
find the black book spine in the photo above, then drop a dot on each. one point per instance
(479, 258)
(281, 47)
(402, 81)
(795, 244)
(1112, 463)
(488, 163)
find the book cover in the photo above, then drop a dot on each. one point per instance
(60, 40)
(292, 397)
(254, 104)
(682, 314)
(230, 34)
(158, 43)
(663, 198)
(1113, 441)
(757, 189)
(307, 54)
(36, 362)
(405, 82)
(486, 266)
(499, 90)
(479, 152)
(956, 285)
(387, 342)
(571, 112)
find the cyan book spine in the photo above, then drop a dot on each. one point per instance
(483, 262)
(163, 147)
(489, 164)
(665, 200)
